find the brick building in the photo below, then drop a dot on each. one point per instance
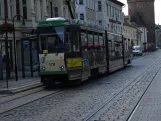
(142, 13)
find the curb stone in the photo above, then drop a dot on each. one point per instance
(20, 89)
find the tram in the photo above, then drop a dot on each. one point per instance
(71, 51)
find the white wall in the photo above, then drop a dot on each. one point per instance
(107, 14)
(143, 35)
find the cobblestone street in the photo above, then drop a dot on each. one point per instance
(111, 98)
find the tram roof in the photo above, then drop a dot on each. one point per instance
(59, 21)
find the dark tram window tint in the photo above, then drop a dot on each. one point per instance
(90, 39)
(75, 42)
(84, 39)
(96, 39)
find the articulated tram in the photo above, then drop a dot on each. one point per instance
(71, 51)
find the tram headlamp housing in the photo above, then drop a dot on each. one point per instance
(42, 68)
(43, 59)
(61, 67)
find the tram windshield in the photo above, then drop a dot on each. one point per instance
(53, 42)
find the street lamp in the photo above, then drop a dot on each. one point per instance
(14, 39)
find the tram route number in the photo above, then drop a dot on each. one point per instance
(51, 64)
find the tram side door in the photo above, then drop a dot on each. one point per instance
(73, 48)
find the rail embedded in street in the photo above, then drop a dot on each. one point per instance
(80, 102)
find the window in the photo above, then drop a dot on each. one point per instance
(53, 42)
(83, 39)
(56, 11)
(81, 2)
(48, 7)
(107, 10)
(72, 40)
(76, 15)
(100, 22)
(11, 8)
(41, 9)
(75, 40)
(68, 45)
(90, 39)
(24, 8)
(0, 9)
(35, 8)
(81, 16)
(101, 41)
(93, 5)
(99, 6)
(96, 41)
(110, 11)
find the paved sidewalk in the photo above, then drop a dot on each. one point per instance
(149, 108)
(20, 85)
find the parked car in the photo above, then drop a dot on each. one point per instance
(137, 50)
(157, 47)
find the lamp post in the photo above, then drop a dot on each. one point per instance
(6, 41)
(14, 40)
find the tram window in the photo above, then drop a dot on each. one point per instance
(68, 42)
(96, 39)
(90, 39)
(83, 39)
(110, 49)
(129, 44)
(72, 40)
(53, 42)
(113, 49)
(118, 49)
(75, 40)
(104, 40)
(125, 45)
(101, 41)
(43, 42)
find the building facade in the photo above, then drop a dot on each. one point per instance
(144, 34)
(106, 13)
(158, 35)
(86, 10)
(142, 13)
(33, 11)
(130, 33)
(110, 15)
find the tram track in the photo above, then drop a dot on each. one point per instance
(90, 116)
(20, 95)
(137, 104)
(26, 99)
(57, 92)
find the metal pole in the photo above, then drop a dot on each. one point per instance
(31, 63)
(6, 41)
(15, 54)
(14, 40)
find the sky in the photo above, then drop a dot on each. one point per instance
(157, 10)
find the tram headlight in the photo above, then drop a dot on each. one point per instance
(43, 59)
(42, 68)
(61, 67)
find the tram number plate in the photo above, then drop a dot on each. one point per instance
(51, 64)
